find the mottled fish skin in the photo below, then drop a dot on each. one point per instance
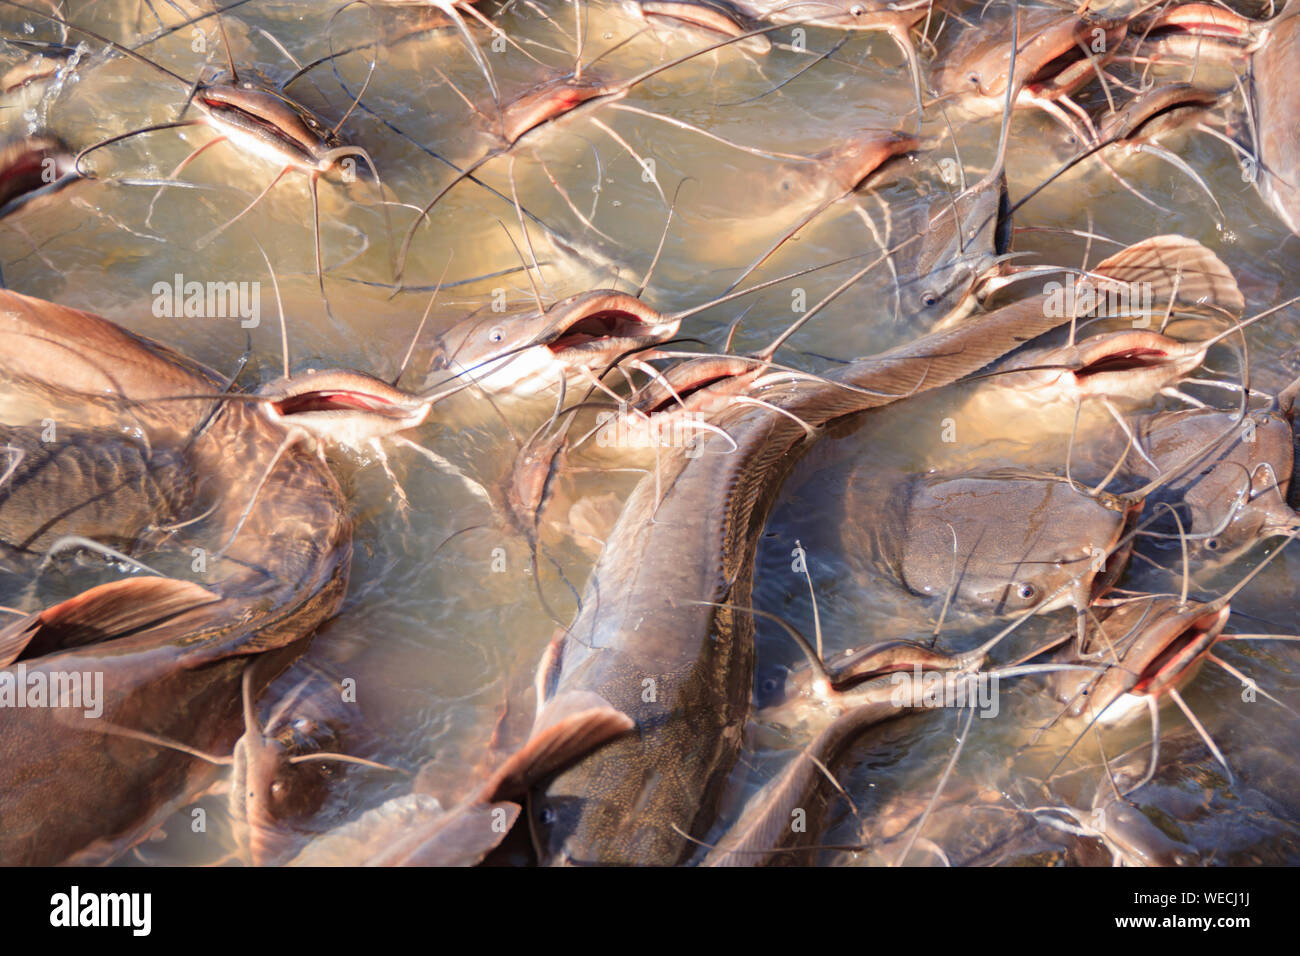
(136, 488)
(177, 677)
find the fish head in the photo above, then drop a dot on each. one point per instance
(270, 790)
(1005, 545)
(716, 16)
(1134, 364)
(958, 246)
(805, 702)
(528, 354)
(1236, 492)
(854, 158)
(1051, 50)
(530, 479)
(847, 14)
(31, 165)
(1199, 30)
(1147, 648)
(669, 409)
(547, 101)
(268, 124)
(1154, 110)
(342, 407)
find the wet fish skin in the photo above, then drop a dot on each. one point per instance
(178, 676)
(627, 802)
(135, 489)
(1212, 496)
(1277, 103)
(999, 544)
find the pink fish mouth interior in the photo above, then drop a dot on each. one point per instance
(1172, 659)
(1200, 28)
(1165, 660)
(669, 402)
(1056, 66)
(545, 103)
(329, 401)
(599, 326)
(1125, 360)
(24, 175)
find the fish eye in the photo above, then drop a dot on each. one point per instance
(1211, 544)
(769, 685)
(929, 299)
(857, 10)
(1026, 591)
(974, 78)
(496, 334)
(546, 816)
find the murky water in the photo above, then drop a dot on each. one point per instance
(440, 630)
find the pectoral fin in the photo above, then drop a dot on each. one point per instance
(570, 726)
(100, 614)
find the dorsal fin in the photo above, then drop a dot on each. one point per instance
(1176, 265)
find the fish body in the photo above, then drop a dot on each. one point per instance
(170, 652)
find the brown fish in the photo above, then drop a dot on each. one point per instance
(170, 653)
(1001, 544)
(32, 167)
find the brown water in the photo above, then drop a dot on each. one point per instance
(436, 640)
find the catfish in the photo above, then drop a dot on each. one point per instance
(171, 652)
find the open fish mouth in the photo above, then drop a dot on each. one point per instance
(334, 401)
(696, 386)
(600, 327)
(713, 17)
(25, 170)
(1123, 360)
(1117, 364)
(1166, 656)
(1174, 661)
(1201, 20)
(545, 102)
(324, 401)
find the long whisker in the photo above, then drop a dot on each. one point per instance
(1200, 729)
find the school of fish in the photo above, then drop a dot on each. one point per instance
(649, 432)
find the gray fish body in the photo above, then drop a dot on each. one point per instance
(683, 671)
(1236, 493)
(1277, 104)
(998, 544)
